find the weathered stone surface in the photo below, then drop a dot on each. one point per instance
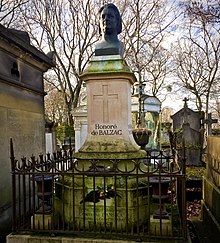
(211, 184)
(21, 107)
(109, 205)
(108, 82)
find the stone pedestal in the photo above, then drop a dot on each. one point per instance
(108, 81)
(111, 209)
(109, 137)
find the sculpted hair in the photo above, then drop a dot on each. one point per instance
(118, 16)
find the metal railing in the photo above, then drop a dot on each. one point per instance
(141, 198)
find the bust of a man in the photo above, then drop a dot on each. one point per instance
(110, 25)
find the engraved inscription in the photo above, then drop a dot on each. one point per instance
(106, 129)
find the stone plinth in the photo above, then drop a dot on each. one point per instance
(113, 208)
(109, 138)
(108, 81)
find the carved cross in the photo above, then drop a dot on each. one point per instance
(105, 97)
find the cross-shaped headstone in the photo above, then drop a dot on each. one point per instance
(209, 121)
(105, 97)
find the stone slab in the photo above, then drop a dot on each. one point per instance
(43, 239)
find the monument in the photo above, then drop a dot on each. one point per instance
(108, 81)
(187, 125)
(109, 140)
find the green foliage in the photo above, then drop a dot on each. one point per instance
(195, 172)
(64, 131)
(178, 134)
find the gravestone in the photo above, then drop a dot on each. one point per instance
(21, 106)
(187, 125)
(109, 137)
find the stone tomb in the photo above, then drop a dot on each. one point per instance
(22, 115)
(187, 125)
(112, 209)
(80, 126)
(109, 137)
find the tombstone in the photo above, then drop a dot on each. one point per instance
(187, 125)
(21, 106)
(109, 138)
(108, 81)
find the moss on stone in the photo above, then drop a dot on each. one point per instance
(107, 66)
(110, 155)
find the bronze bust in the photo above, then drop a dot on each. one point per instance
(110, 25)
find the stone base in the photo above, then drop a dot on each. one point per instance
(58, 239)
(40, 221)
(102, 207)
(110, 155)
(164, 230)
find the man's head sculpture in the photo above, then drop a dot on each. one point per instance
(109, 12)
(110, 25)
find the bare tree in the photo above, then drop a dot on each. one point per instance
(208, 10)
(68, 29)
(197, 59)
(55, 106)
(146, 24)
(9, 10)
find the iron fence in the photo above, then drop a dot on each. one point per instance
(141, 198)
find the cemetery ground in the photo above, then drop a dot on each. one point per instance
(197, 230)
